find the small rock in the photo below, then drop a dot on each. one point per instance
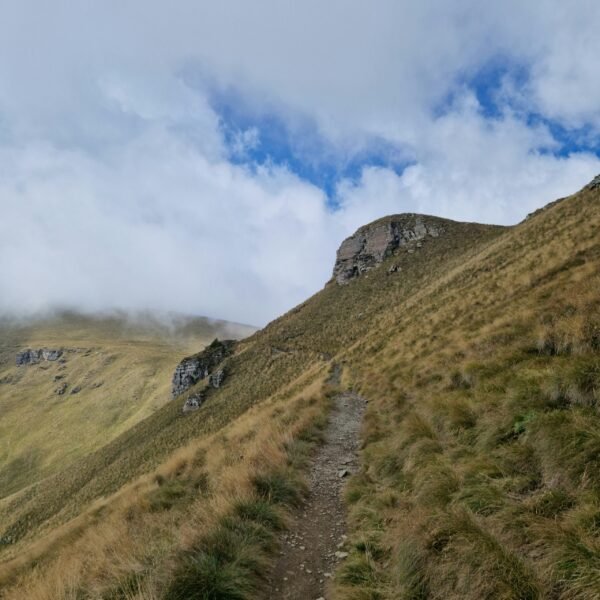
(216, 379)
(342, 473)
(341, 555)
(193, 403)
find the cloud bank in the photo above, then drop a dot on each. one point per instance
(209, 158)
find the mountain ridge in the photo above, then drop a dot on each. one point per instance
(476, 355)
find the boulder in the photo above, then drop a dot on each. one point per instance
(193, 403)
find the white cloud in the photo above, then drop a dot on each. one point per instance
(115, 183)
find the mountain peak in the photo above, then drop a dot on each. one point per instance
(373, 243)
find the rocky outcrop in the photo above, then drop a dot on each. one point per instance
(373, 243)
(33, 357)
(595, 183)
(199, 366)
(194, 402)
(216, 379)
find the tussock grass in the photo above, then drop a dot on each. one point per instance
(479, 474)
(485, 468)
(201, 525)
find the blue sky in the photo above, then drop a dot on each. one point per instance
(295, 143)
(209, 158)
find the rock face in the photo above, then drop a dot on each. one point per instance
(194, 368)
(33, 357)
(373, 243)
(595, 183)
(217, 378)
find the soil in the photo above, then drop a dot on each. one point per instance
(315, 543)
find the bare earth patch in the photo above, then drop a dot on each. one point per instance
(315, 542)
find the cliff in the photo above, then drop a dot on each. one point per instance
(373, 243)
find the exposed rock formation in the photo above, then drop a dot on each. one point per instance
(216, 379)
(595, 183)
(33, 357)
(193, 402)
(194, 368)
(373, 243)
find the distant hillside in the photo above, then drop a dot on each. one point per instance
(477, 348)
(113, 371)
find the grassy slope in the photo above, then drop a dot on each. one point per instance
(266, 365)
(480, 362)
(482, 446)
(123, 369)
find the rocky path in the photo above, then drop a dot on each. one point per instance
(315, 542)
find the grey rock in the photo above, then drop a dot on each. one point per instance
(373, 243)
(194, 402)
(595, 183)
(52, 355)
(76, 389)
(33, 357)
(216, 379)
(61, 389)
(199, 366)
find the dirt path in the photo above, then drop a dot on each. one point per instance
(314, 544)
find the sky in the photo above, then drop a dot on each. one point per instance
(209, 157)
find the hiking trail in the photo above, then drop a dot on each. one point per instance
(315, 543)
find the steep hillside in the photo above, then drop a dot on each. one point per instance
(481, 442)
(477, 349)
(106, 374)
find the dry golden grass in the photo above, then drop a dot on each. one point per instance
(480, 461)
(481, 443)
(123, 371)
(128, 544)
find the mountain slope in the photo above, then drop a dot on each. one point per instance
(480, 474)
(112, 372)
(478, 352)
